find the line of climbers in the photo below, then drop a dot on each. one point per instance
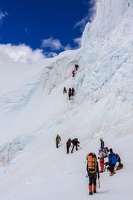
(113, 158)
(112, 164)
(70, 143)
(75, 70)
(71, 91)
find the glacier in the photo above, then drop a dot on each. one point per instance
(33, 110)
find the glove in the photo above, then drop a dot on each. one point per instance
(87, 175)
(106, 163)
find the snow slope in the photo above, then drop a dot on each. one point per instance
(33, 109)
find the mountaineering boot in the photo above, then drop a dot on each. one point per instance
(90, 190)
(111, 174)
(114, 172)
(94, 189)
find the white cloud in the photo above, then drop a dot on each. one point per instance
(52, 43)
(50, 54)
(20, 53)
(68, 47)
(90, 15)
(55, 45)
(2, 15)
(77, 41)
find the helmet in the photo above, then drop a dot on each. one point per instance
(101, 139)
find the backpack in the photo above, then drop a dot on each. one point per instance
(69, 93)
(105, 151)
(121, 165)
(69, 142)
(65, 90)
(75, 140)
(91, 163)
(58, 139)
(73, 71)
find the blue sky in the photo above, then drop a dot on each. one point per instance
(52, 26)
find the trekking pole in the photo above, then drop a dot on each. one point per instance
(98, 182)
(87, 175)
(104, 168)
(79, 147)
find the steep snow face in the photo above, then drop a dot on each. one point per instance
(109, 15)
(33, 109)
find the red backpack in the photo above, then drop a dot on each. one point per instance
(73, 71)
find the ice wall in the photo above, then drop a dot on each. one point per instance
(109, 14)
